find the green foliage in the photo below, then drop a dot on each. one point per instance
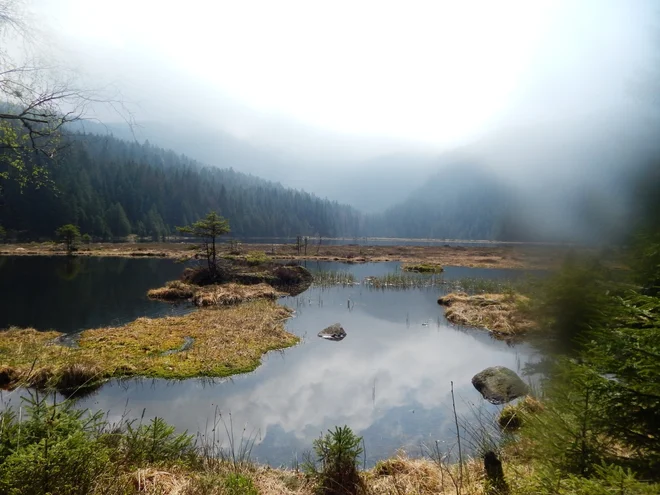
(608, 479)
(160, 189)
(338, 453)
(156, 442)
(86, 238)
(602, 405)
(238, 484)
(256, 258)
(69, 234)
(645, 260)
(208, 229)
(3, 233)
(565, 435)
(630, 355)
(117, 221)
(54, 448)
(572, 304)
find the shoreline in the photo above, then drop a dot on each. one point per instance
(528, 256)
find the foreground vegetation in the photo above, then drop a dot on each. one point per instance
(213, 342)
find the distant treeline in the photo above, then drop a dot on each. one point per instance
(112, 188)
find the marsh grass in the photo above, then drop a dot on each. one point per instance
(402, 280)
(228, 294)
(227, 340)
(476, 285)
(501, 314)
(174, 290)
(422, 268)
(330, 278)
(213, 295)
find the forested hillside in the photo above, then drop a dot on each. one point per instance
(463, 201)
(113, 188)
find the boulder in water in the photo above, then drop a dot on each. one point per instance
(499, 385)
(333, 332)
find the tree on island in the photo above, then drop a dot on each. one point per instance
(69, 233)
(208, 229)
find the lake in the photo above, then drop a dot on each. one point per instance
(389, 379)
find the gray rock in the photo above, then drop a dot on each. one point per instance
(333, 332)
(499, 385)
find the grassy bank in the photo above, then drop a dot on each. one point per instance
(215, 342)
(521, 256)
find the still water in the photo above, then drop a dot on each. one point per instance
(72, 294)
(389, 379)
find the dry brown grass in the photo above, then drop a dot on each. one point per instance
(174, 290)
(213, 295)
(403, 475)
(495, 256)
(399, 475)
(226, 294)
(500, 314)
(226, 340)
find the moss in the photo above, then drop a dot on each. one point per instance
(227, 340)
(423, 268)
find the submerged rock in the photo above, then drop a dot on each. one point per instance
(499, 385)
(333, 332)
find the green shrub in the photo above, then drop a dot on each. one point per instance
(607, 480)
(338, 453)
(255, 258)
(238, 484)
(156, 442)
(55, 450)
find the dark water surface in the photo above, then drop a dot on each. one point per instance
(389, 379)
(72, 294)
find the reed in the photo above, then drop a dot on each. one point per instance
(328, 278)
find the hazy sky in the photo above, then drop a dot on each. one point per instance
(433, 73)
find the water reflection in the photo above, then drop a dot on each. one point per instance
(71, 294)
(389, 379)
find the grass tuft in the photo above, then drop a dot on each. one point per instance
(513, 416)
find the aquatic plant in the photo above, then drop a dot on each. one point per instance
(422, 268)
(476, 285)
(327, 278)
(402, 280)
